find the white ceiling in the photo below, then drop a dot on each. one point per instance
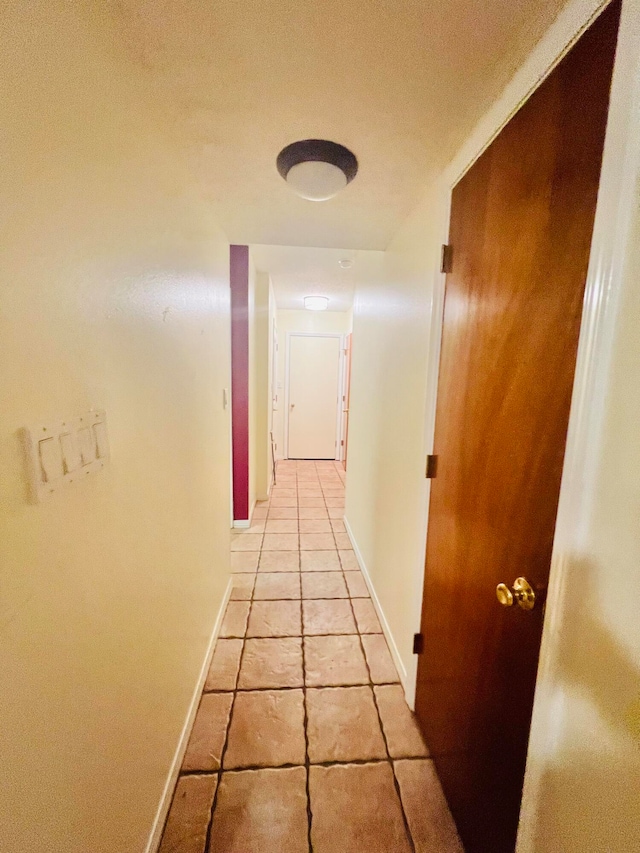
(297, 272)
(399, 82)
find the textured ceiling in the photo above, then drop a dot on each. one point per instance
(400, 82)
(297, 272)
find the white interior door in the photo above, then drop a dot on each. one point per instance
(314, 388)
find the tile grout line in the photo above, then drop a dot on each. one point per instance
(384, 735)
(230, 720)
(252, 768)
(304, 704)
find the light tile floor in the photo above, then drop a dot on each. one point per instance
(303, 742)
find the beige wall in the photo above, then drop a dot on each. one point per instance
(259, 405)
(299, 321)
(272, 350)
(115, 294)
(386, 487)
(253, 385)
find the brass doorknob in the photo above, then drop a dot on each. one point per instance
(522, 592)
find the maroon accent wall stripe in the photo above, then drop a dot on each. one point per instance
(239, 276)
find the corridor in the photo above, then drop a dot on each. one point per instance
(303, 740)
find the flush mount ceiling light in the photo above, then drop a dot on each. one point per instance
(345, 263)
(317, 169)
(316, 303)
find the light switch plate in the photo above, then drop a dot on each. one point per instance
(63, 452)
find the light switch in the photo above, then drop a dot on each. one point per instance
(87, 445)
(50, 455)
(57, 452)
(70, 452)
(102, 442)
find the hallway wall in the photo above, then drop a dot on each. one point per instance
(386, 487)
(115, 294)
(300, 321)
(260, 404)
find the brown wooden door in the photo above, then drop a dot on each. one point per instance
(521, 226)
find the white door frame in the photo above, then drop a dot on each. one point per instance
(339, 414)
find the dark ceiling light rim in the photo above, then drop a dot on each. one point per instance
(319, 151)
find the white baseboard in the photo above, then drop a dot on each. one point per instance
(402, 672)
(165, 802)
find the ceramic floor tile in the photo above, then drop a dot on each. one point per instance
(280, 542)
(337, 525)
(257, 526)
(223, 672)
(280, 561)
(342, 541)
(312, 512)
(310, 493)
(242, 586)
(343, 725)
(209, 729)
(261, 811)
(246, 542)
(348, 558)
(260, 513)
(289, 512)
(361, 804)
(334, 502)
(320, 561)
(275, 585)
(315, 525)
(400, 726)
(271, 663)
(282, 525)
(275, 502)
(283, 492)
(234, 623)
(312, 501)
(188, 820)
(275, 619)
(323, 585)
(334, 661)
(267, 729)
(379, 658)
(335, 511)
(356, 584)
(428, 816)
(366, 616)
(317, 542)
(327, 617)
(244, 561)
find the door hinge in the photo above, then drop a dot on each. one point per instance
(342, 442)
(432, 466)
(418, 644)
(446, 258)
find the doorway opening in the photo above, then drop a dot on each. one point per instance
(314, 377)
